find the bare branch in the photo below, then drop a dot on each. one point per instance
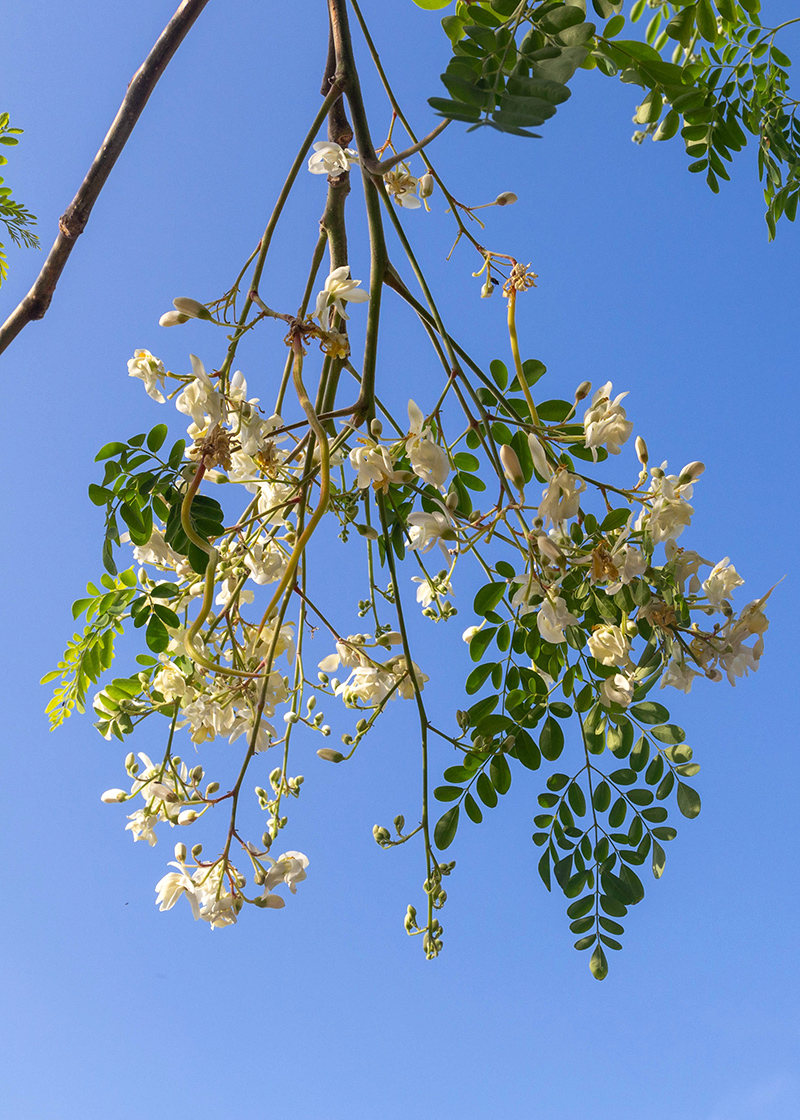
(73, 222)
(380, 168)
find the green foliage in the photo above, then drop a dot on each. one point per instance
(138, 496)
(90, 654)
(511, 63)
(709, 70)
(14, 216)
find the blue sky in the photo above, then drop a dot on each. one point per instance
(326, 1009)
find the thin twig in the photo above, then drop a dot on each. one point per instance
(73, 221)
(376, 167)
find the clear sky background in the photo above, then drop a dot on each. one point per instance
(326, 1009)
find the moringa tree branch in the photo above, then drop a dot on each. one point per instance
(73, 221)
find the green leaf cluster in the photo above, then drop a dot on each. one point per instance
(511, 63)
(90, 654)
(137, 497)
(14, 216)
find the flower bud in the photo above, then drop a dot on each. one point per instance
(180, 852)
(211, 788)
(367, 531)
(111, 796)
(399, 823)
(505, 199)
(511, 467)
(426, 185)
(197, 851)
(187, 816)
(311, 703)
(641, 451)
(172, 319)
(451, 501)
(191, 308)
(470, 633)
(376, 427)
(382, 835)
(328, 754)
(488, 287)
(583, 391)
(542, 467)
(690, 472)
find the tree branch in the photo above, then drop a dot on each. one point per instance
(380, 168)
(73, 221)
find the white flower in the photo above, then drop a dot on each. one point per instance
(529, 588)
(617, 690)
(207, 719)
(172, 886)
(609, 646)
(290, 868)
(679, 675)
(200, 400)
(150, 370)
(406, 688)
(275, 501)
(348, 653)
(339, 289)
(428, 589)
(402, 186)
(265, 561)
(367, 685)
(552, 618)
(428, 460)
(428, 529)
(670, 512)
(722, 580)
(562, 498)
(142, 826)
(156, 552)
(243, 725)
(227, 590)
(170, 682)
(374, 465)
(113, 795)
(604, 422)
(331, 159)
(687, 565)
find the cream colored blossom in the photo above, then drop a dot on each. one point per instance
(609, 646)
(331, 159)
(150, 370)
(617, 690)
(339, 289)
(605, 422)
(552, 619)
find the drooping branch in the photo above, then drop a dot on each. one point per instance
(73, 221)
